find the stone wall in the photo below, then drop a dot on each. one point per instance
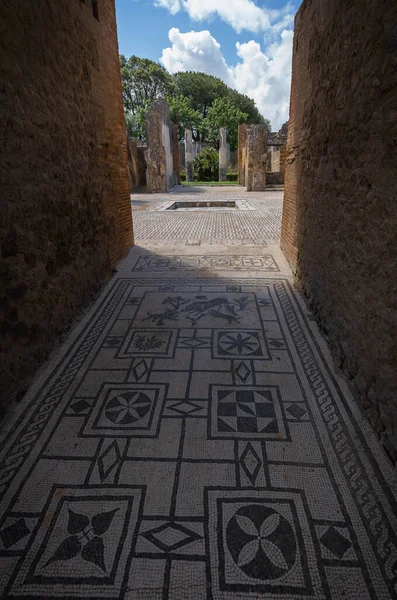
(136, 163)
(242, 152)
(255, 164)
(176, 159)
(340, 209)
(159, 153)
(65, 218)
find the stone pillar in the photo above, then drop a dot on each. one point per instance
(175, 153)
(283, 158)
(255, 168)
(222, 154)
(160, 170)
(242, 138)
(189, 154)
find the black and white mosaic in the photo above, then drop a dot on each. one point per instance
(192, 441)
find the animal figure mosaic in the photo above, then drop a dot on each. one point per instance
(197, 307)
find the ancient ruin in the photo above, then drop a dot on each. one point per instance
(223, 154)
(189, 154)
(195, 429)
(160, 149)
(276, 155)
(136, 162)
(252, 156)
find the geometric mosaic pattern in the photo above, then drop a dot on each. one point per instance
(192, 441)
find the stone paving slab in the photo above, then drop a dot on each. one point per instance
(192, 440)
(258, 223)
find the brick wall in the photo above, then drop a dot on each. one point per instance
(65, 218)
(340, 210)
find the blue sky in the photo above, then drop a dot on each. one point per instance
(245, 43)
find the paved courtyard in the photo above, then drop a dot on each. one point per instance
(191, 439)
(260, 224)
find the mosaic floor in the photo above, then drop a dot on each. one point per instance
(191, 441)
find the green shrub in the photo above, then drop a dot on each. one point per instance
(232, 176)
(206, 165)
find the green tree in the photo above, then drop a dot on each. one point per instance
(247, 105)
(183, 114)
(143, 81)
(135, 121)
(206, 165)
(201, 89)
(223, 113)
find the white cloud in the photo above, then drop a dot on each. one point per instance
(196, 51)
(240, 14)
(264, 76)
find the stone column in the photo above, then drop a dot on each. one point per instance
(175, 153)
(222, 154)
(242, 138)
(189, 154)
(255, 168)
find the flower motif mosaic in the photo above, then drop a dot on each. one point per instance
(128, 407)
(246, 343)
(261, 542)
(83, 540)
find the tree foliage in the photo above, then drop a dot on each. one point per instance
(223, 113)
(197, 100)
(183, 114)
(143, 81)
(206, 165)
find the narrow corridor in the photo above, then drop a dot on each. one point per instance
(191, 438)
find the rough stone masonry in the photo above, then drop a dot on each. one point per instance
(160, 148)
(65, 218)
(340, 209)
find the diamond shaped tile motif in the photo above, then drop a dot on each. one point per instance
(184, 407)
(14, 533)
(276, 344)
(243, 371)
(335, 542)
(80, 406)
(171, 536)
(251, 463)
(296, 410)
(194, 343)
(108, 460)
(140, 369)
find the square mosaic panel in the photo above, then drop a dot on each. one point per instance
(260, 542)
(83, 545)
(249, 412)
(239, 344)
(148, 342)
(128, 409)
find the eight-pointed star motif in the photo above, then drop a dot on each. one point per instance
(241, 343)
